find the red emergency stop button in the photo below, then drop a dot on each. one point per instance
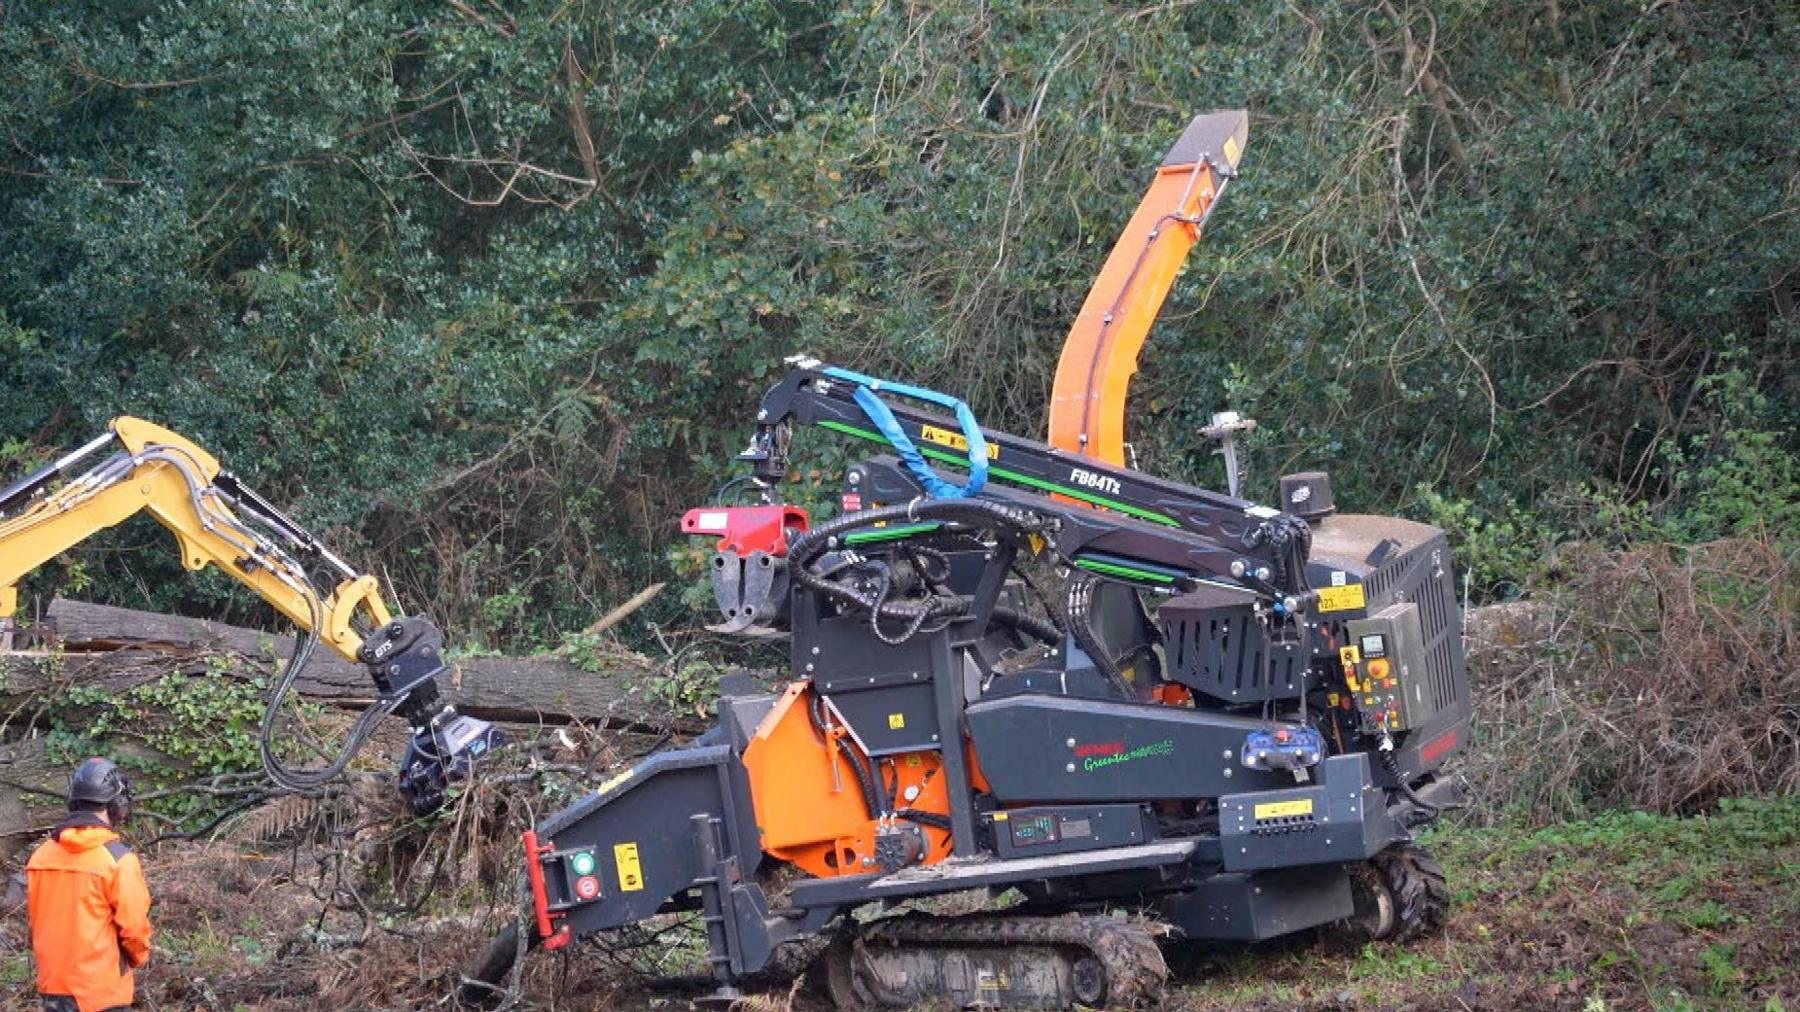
(587, 887)
(1378, 668)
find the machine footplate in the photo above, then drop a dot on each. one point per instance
(978, 873)
(996, 961)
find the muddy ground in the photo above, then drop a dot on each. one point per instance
(1626, 911)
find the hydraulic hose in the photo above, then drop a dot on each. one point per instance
(1082, 628)
(814, 543)
(1028, 624)
(932, 819)
(311, 779)
(1406, 791)
(873, 796)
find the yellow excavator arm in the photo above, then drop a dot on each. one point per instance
(218, 521)
(1087, 405)
(169, 477)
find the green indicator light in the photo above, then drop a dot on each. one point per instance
(583, 863)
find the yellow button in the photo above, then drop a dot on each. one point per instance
(1378, 668)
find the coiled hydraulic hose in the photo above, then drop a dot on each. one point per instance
(809, 546)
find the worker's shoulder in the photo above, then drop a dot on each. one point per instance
(111, 854)
(44, 855)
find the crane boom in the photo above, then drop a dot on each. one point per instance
(1087, 404)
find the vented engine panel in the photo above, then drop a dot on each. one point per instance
(1214, 645)
(1407, 593)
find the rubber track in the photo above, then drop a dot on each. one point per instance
(1135, 969)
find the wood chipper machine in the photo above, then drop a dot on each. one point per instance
(1121, 706)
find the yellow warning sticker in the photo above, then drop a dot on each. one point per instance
(1348, 598)
(954, 440)
(1231, 150)
(896, 721)
(1281, 809)
(914, 760)
(1001, 816)
(631, 873)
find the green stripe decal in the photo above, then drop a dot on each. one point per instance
(889, 533)
(1014, 476)
(1128, 572)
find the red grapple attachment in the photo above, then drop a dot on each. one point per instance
(749, 569)
(746, 529)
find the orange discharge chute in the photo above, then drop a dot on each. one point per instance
(1087, 405)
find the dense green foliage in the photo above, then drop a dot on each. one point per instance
(488, 289)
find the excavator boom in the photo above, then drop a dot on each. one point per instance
(218, 521)
(182, 486)
(1087, 405)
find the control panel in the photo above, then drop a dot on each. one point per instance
(1384, 668)
(1025, 832)
(581, 874)
(1284, 748)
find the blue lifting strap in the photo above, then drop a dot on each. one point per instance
(884, 421)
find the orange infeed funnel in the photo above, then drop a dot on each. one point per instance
(809, 810)
(1087, 404)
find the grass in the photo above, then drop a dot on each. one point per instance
(1622, 911)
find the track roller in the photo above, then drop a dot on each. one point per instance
(996, 961)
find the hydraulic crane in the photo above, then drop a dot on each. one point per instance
(137, 467)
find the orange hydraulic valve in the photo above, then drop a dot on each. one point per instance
(1087, 406)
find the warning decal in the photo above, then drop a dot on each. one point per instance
(631, 873)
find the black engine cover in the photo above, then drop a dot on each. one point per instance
(1054, 748)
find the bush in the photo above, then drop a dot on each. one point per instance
(1658, 677)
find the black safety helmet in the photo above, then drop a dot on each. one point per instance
(101, 783)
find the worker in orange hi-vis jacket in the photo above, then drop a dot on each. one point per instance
(90, 908)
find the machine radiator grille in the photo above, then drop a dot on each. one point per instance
(1443, 636)
(1423, 577)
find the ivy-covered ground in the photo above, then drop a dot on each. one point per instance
(1624, 911)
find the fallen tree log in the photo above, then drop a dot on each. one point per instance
(543, 689)
(34, 781)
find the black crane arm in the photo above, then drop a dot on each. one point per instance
(1116, 517)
